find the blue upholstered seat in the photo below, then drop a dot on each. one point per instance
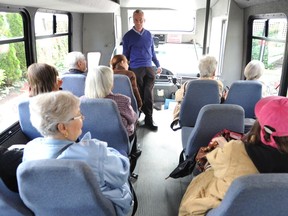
(61, 187)
(198, 93)
(11, 203)
(257, 195)
(122, 85)
(24, 120)
(74, 83)
(102, 119)
(245, 93)
(212, 119)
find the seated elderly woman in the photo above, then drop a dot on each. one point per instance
(253, 71)
(57, 116)
(207, 67)
(99, 84)
(263, 150)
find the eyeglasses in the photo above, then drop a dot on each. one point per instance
(81, 116)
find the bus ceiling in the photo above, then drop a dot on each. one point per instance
(106, 6)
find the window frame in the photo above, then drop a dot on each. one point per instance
(55, 34)
(284, 74)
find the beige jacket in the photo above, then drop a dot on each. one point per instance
(207, 190)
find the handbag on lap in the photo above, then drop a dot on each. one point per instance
(199, 160)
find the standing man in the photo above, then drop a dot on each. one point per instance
(138, 47)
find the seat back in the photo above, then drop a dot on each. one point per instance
(122, 85)
(61, 187)
(198, 93)
(257, 195)
(102, 119)
(24, 120)
(212, 119)
(74, 83)
(11, 203)
(245, 93)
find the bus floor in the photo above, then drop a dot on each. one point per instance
(160, 154)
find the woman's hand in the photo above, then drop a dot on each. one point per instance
(220, 140)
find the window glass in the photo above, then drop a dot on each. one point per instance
(277, 29)
(12, 67)
(52, 47)
(259, 27)
(167, 20)
(62, 23)
(43, 23)
(270, 50)
(52, 51)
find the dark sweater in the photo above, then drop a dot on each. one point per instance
(9, 162)
(267, 159)
(139, 49)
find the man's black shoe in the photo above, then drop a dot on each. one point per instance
(136, 155)
(151, 126)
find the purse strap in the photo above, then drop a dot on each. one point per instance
(62, 150)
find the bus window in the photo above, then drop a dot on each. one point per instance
(52, 38)
(12, 66)
(268, 46)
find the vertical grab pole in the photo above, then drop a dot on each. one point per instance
(206, 27)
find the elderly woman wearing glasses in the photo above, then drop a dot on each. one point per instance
(57, 116)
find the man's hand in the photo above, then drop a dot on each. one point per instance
(159, 70)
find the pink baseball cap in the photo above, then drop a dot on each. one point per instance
(272, 111)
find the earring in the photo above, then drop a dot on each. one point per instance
(66, 134)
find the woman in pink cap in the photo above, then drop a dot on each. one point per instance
(263, 150)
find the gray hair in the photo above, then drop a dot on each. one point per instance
(99, 82)
(207, 66)
(47, 110)
(254, 70)
(138, 11)
(72, 59)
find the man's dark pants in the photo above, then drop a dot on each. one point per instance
(145, 80)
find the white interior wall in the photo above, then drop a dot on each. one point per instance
(99, 35)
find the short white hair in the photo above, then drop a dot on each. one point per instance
(72, 59)
(207, 66)
(47, 110)
(254, 70)
(99, 82)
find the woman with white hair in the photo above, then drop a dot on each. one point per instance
(254, 70)
(207, 67)
(99, 84)
(57, 116)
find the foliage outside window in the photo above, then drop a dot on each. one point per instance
(12, 66)
(268, 46)
(52, 36)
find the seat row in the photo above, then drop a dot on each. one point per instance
(104, 122)
(102, 117)
(202, 92)
(247, 195)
